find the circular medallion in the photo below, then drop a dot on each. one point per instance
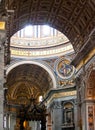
(64, 69)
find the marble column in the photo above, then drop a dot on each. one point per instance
(57, 116)
(1, 86)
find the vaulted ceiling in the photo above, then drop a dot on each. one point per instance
(26, 80)
(74, 18)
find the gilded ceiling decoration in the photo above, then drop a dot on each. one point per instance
(25, 81)
(74, 18)
(39, 41)
(40, 36)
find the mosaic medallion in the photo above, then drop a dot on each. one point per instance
(64, 69)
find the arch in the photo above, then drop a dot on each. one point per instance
(59, 25)
(44, 66)
(68, 102)
(40, 12)
(69, 17)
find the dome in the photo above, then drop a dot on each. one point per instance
(39, 41)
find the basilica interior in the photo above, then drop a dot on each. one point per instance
(47, 65)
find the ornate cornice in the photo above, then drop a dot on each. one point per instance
(59, 94)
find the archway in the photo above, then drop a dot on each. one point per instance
(26, 79)
(34, 62)
(69, 17)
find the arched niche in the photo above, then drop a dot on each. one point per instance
(68, 116)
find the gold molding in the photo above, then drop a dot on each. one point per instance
(62, 95)
(2, 25)
(86, 59)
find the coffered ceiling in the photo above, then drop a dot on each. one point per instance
(74, 18)
(27, 80)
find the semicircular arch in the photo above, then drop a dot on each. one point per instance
(43, 65)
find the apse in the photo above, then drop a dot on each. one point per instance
(27, 80)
